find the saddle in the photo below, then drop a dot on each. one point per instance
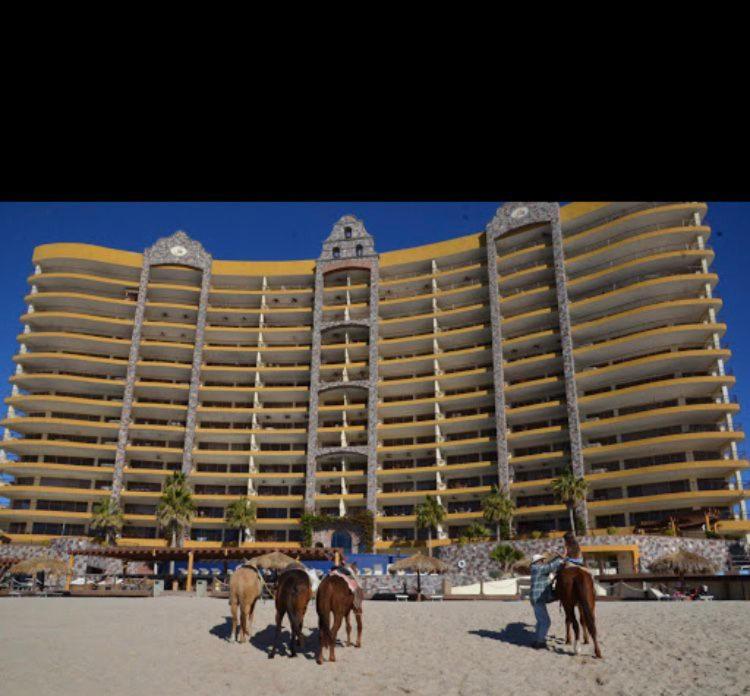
(352, 584)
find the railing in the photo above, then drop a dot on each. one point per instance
(642, 254)
(629, 233)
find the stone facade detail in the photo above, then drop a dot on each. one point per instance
(513, 216)
(478, 564)
(495, 228)
(176, 249)
(349, 246)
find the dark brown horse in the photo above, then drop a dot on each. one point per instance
(334, 596)
(292, 596)
(575, 588)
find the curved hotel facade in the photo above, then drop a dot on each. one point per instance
(583, 336)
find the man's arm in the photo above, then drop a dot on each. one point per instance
(552, 566)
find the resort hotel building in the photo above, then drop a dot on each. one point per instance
(583, 336)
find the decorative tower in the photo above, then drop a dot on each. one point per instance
(344, 364)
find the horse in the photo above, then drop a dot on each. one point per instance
(575, 588)
(335, 596)
(292, 596)
(244, 590)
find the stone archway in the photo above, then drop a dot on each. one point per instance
(329, 536)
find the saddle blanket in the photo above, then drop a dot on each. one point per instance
(354, 586)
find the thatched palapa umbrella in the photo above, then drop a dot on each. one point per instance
(275, 560)
(419, 563)
(683, 563)
(34, 565)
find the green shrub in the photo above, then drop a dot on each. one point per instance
(536, 534)
(611, 530)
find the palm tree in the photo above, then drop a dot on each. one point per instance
(505, 555)
(176, 507)
(106, 520)
(475, 531)
(241, 515)
(571, 490)
(429, 514)
(498, 509)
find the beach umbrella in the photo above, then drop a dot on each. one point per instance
(683, 563)
(272, 561)
(34, 565)
(419, 563)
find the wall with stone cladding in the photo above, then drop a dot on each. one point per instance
(400, 584)
(59, 549)
(479, 565)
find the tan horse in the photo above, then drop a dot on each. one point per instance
(244, 590)
(335, 596)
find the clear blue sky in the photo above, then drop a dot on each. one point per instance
(277, 231)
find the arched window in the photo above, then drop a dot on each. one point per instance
(347, 232)
(359, 250)
(336, 253)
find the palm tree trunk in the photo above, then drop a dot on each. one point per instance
(497, 531)
(429, 542)
(241, 534)
(572, 519)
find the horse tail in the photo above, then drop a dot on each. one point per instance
(323, 607)
(586, 603)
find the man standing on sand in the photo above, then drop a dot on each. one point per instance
(541, 594)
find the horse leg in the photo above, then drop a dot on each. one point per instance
(334, 632)
(296, 637)
(583, 626)
(250, 615)
(348, 629)
(589, 621)
(245, 622)
(322, 636)
(279, 617)
(233, 608)
(358, 616)
(570, 620)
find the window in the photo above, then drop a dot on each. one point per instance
(336, 253)
(347, 232)
(359, 250)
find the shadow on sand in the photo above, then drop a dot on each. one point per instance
(521, 634)
(263, 639)
(515, 633)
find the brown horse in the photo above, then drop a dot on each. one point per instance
(575, 588)
(335, 596)
(244, 590)
(292, 596)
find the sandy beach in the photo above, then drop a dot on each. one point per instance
(175, 645)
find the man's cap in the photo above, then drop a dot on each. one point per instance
(537, 557)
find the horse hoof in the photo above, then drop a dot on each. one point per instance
(319, 661)
(358, 645)
(270, 657)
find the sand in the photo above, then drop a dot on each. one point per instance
(177, 645)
